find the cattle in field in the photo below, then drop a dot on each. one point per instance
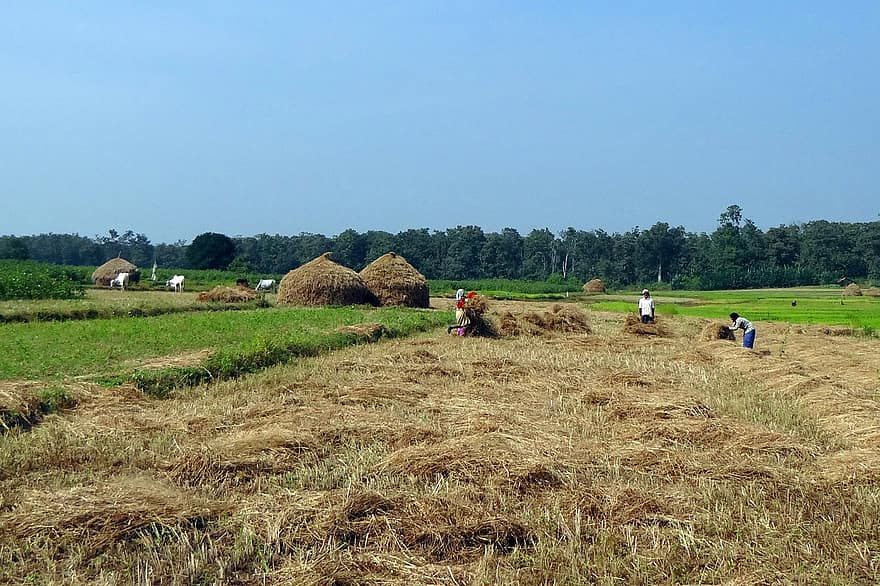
(175, 283)
(266, 285)
(120, 280)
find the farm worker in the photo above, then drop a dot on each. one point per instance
(741, 323)
(461, 319)
(646, 307)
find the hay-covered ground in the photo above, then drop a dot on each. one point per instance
(585, 458)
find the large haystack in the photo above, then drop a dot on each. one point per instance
(594, 286)
(634, 325)
(396, 282)
(108, 271)
(853, 290)
(224, 294)
(323, 282)
(717, 331)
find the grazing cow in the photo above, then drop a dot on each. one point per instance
(175, 283)
(266, 285)
(120, 280)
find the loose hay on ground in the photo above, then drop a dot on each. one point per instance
(561, 318)
(224, 294)
(633, 325)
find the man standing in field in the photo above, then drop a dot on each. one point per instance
(646, 307)
(741, 323)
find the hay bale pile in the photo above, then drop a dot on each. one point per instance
(634, 325)
(323, 282)
(717, 331)
(110, 269)
(225, 294)
(594, 286)
(394, 281)
(560, 318)
(476, 308)
(853, 290)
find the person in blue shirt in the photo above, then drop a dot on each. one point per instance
(741, 323)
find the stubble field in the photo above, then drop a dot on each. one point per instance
(565, 459)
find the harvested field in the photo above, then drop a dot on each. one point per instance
(558, 319)
(607, 458)
(226, 294)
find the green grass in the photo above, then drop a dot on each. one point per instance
(814, 306)
(53, 350)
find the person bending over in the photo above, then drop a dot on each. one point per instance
(741, 323)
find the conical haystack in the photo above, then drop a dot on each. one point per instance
(594, 286)
(853, 290)
(108, 271)
(396, 282)
(323, 282)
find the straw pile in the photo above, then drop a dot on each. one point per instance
(368, 332)
(853, 290)
(594, 286)
(633, 325)
(323, 282)
(226, 294)
(717, 331)
(396, 282)
(475, 309)
(872, 292)
(560, 318)
(108, 271)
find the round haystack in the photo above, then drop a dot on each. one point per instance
(108, 271)
(853, 290)
(396, 282)
(717, 331)
(323, 282)
(224, 294)
(594, 286)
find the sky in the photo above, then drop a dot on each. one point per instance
(177, 118)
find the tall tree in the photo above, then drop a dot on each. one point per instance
(210, 250)
(463, 254)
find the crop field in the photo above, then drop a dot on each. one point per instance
(811, 306)
(565, 458)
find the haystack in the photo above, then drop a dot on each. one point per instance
(225, 294)
(633, 325)
(108, 271)
(594, 286)
(396, 282)
(853, 290)
(561, 318)
(717, 331)
(323, 282)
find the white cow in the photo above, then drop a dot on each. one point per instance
(120, 280)
(175, 283)
(266, 285)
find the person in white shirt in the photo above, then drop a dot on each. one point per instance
(741, 323)
(646, 307)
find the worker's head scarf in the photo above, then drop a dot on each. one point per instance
(459, 294)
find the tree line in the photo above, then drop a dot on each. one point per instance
(737, 254)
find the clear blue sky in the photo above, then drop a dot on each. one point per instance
(176, 118)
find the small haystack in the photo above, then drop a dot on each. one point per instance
(225, 294)
(717, 331)
(396, 282)
(853, 290)
(108, 271)
(561, 318)
(594, 286)
(323, 282)
(634, 325)
(367, 332)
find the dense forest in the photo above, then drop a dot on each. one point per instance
(737, 254)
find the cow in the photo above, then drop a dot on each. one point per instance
(266, 285)
(175, 283)
(120, 280)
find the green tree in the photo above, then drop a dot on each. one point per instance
(210, 250)
(539, 254)
(13, 247)
(463, 254)
(350, 249)
(659, 249)
(501, 255)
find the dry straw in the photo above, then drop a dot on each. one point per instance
(633, 325)
(872, 292)
(396, 282)
(368, 332)
(717, 331)
(110, 269)
(560, 318)
(476, 309)
(594, 286)
(226, 294)
(853, 290)
(323, 282)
